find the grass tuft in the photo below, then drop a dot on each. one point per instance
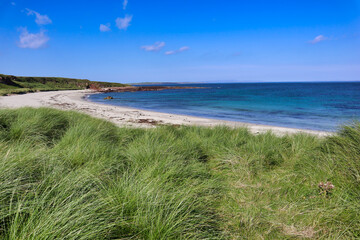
(65, 175)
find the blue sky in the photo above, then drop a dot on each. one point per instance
(182, 40)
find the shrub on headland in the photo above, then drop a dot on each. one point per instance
(65, 175)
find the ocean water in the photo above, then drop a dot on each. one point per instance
(315, 106)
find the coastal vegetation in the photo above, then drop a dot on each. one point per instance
(19, 85)
(65, 175)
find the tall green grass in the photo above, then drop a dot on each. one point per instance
(65, 175)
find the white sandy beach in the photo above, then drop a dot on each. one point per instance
(123, 116)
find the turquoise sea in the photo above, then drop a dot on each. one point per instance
(317, 106)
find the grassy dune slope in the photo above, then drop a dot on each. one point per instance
(65, 175)
(12, 84)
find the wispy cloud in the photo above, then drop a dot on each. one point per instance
(32, 40)
(154, 48)
(182, 49)
(318, 39)
(123, 23)
(13, 3)
(125, 4)
(40, 19)
(105, 27)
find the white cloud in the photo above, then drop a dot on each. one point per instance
(182, 49)
(318, 39)
(123, 23)
(155, 47)
(170, 52)
(105, 28)
(40, 19)
(32, 40)
(125, 4)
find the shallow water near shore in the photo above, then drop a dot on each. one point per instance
(315, 106)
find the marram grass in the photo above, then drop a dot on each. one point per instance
(65, 175)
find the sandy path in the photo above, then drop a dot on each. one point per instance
(123, 116)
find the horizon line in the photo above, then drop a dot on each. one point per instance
(214, 82)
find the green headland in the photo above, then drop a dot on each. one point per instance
(18, 85)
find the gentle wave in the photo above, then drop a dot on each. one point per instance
(315, 106)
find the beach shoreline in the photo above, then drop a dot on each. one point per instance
(131, 117)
